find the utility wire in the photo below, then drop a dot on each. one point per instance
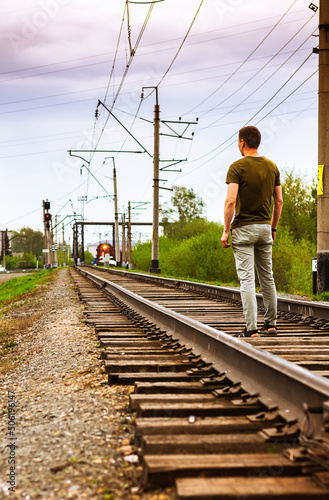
(22, 110)
(235, 33)
(128, 27)
(181, 45)
(104, 62)
(133, 52)
(115, 55)
(259, 86)
(282, 86)
(267, 102)
(5, 224)
(287, 97)
(244, 62)
(264, 66)
(125, 74)
(235, 133)
(131, 126)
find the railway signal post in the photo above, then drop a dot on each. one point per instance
(323, 152)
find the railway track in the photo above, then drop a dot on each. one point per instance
(215, 416)
(303, 326)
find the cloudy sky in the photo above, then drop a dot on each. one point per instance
(220, 63)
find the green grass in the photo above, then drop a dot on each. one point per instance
(14, 289)
(324, 296)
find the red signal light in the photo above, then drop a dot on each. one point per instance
(47, 216)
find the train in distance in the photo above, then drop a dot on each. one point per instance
(105, 255)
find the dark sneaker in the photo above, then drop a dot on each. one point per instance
(245, 333)
(268, 330)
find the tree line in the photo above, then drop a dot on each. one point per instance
(190, 246)
(28, 244)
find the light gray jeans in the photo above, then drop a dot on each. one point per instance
(252, 247)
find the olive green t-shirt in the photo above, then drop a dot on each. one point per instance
(256, 176)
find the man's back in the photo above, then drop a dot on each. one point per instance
(256, 176)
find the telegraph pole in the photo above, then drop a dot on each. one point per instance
(156, 157)
(51, 245)
(56, 253)
(116, 216)
(75, 244)
(82, 243)
(323, 152)
(63, 250)
(44, 237)
(46, 220)
(129, 236)
(4, 241)
(123, 239)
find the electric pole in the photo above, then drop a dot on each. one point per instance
(63, 250)
(156, 157)
(129, 236)
(75, 244)
(46, 244)
(116, 217)
(123, 239)
(156, 173)
(56, 253)
(4, 247)
(323, 152)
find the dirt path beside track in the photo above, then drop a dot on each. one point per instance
(72, 431)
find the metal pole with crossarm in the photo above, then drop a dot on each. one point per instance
(323, 152)
(155, 231)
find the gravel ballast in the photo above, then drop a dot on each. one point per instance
(64, 431)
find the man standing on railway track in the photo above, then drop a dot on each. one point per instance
(252, 183)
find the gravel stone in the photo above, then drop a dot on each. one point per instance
(71, 428)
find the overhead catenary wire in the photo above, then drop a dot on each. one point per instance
(282, 86)
(267, 102)
(234, 27)
(247, 59)
(115, 54)
(132, 53)
(264, 66)
(124, 75)
(53, 137)
(235, 33)
(181, 45)
(261, 85)
(49, 96)
(260, 120)
(22, 110)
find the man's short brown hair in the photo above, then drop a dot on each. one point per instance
(251, 136)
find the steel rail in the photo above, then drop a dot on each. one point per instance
(295, 306)
(278, 382)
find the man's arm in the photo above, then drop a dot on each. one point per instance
(229, 207)
(277, 209)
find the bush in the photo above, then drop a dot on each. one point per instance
(203, 258)
(292, 263)
(28, 261)
(89, 258)
(12, 262)
(181, 230)
(141, 256)
(199, 257)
